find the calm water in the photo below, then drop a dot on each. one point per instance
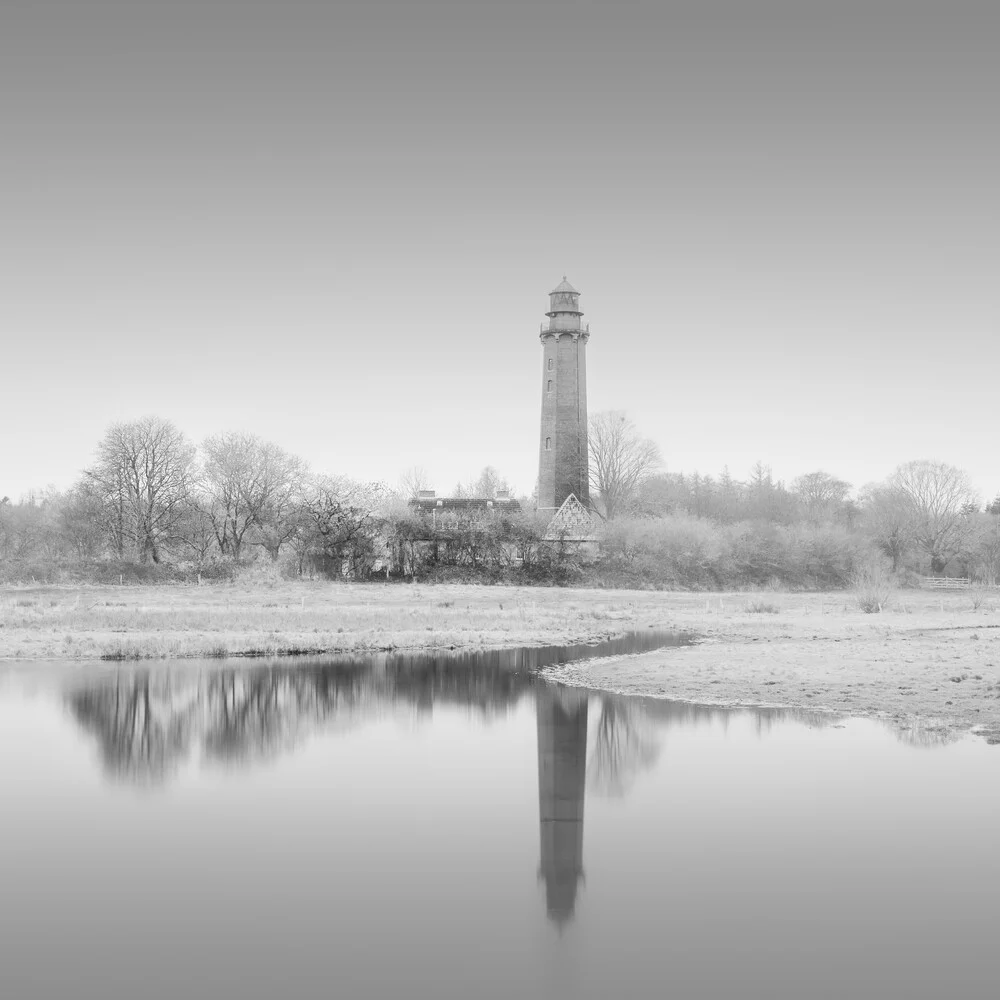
(442, 828)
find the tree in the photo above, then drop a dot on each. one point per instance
(195, 531)
(938, 497)
(888, 519)
(82, 520)
(142, 480)
(823, 496)
(662, 493)
(30, 529)
(341, 522)
(413, 482)
(818, 489)
(767, 500)
(621, 460)
(488, 483)
(250, 488)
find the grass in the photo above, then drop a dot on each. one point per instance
(123, 623)
(225, 620)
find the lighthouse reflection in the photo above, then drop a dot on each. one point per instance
(562, 777)
(149, 725)
(624, 743)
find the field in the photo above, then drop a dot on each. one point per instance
(226, 620)
(929, 664)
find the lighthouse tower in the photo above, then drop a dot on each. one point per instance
(562, 462)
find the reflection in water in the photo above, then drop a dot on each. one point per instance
(562, 771)
(743, 860)
(148, 723)
(627, 742)
(625, 745)
(143, 727)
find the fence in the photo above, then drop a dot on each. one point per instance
(945, 582)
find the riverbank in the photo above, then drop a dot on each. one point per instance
(930, 662)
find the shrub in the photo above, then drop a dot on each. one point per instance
(872, 584)
(978, 595)
(261, 573)
(761, 608)
(674, 551)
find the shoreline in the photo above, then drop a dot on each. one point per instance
(930, 661)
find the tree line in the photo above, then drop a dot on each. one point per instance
(152, 498)
(151, 495)
(924, 518)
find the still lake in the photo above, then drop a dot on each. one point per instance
(453, 826)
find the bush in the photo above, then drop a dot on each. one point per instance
(761, 608)
(872, 584)
(675, 551)
(262, 573)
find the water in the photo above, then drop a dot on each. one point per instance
(445, 828)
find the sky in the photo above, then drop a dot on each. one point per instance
(336, 225)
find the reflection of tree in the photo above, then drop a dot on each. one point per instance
(624, 746)
(924, 734)
(148, 723)
(145, 727)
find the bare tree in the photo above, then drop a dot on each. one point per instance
(888, 519)
(620, 460)
(251, 487)
(82, 520)
(341, 522)
(940, 498)
(487, 483)
(195, 531)
(412, 482)
(821, 494)
(142, 480)
(817, 489)
(30, 529)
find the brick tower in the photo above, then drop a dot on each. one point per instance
(562, 462)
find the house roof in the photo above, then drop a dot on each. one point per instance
(572, 522)
(462, 504)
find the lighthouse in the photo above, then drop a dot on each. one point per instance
(562, 461)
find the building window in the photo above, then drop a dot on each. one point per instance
(552, 363)
(549, 387)
(548, 444)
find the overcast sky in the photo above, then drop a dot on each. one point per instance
(336, 226)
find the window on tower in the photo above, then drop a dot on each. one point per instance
(551, 364)
(548, 444)
(549, 387)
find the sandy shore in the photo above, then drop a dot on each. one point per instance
(929, 662)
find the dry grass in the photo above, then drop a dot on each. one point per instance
(221, 620)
